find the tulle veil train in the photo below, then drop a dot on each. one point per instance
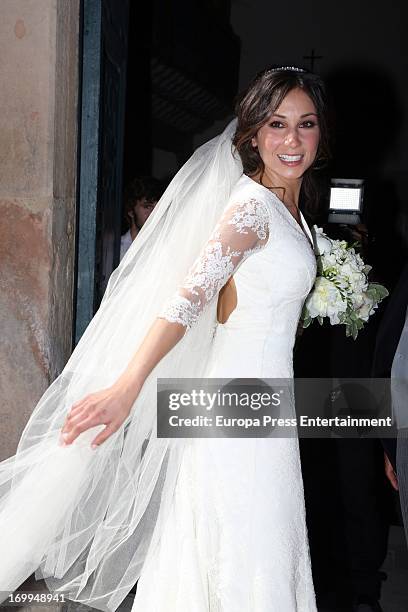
(81, 519)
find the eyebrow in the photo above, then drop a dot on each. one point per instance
(284, 116)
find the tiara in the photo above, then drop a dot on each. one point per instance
(288, 68)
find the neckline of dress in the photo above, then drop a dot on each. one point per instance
(303, 228)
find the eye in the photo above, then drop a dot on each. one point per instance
(309, 123)
(276, 124)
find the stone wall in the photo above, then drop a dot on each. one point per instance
(38, 141)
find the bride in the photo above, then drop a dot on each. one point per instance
(93, 500)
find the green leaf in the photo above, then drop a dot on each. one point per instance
(305, 312)
(356, 245)
(376, 292)
(307, 321)
(351, 330)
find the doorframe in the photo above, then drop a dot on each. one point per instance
(88, 163)
(94, 202)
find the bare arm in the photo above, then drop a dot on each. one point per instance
(242, 229)
(159, 340)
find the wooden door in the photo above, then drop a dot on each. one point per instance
(102, 115)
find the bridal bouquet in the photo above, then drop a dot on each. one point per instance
(341, 291)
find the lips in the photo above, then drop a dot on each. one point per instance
(290, 158)
(291, 161)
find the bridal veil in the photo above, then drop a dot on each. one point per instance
(84, 519)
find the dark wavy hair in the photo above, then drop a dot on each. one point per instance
(139, 187)
(260, 100)
(142, 187)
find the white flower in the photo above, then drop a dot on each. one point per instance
(340, 248)
(367, 307)
(357, 280)
(325, 301)
(342, 282)
(323, 242)
(329, 260)
(354, 259)
(357, 299)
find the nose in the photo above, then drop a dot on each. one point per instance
(292, 138)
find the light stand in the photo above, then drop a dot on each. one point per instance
(346, 201)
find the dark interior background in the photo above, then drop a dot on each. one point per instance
(160, 77)
(183, 74)
(187, 61)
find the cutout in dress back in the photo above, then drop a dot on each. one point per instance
(227, 301)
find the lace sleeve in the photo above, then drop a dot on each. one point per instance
(242, 230)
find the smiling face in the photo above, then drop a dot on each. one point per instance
(288, 142)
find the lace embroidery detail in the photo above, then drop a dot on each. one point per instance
(254, 215)
(242, 230)
(180, 310)
(212, 268)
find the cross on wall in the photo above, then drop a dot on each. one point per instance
(312, 57)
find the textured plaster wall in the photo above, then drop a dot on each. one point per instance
(38, 124)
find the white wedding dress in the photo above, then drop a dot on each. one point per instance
(235, 539)
(231, 535)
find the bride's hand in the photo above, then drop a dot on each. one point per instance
(109, 407)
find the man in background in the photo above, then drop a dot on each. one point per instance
(141, 196)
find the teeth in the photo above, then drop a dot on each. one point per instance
(290, 158)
